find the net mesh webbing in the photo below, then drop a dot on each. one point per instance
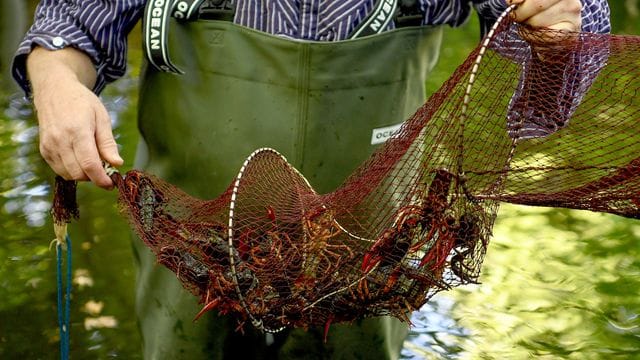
(551, 121)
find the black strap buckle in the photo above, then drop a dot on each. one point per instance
(409, 14)
(218, 10)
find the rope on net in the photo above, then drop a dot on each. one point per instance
(64, 209)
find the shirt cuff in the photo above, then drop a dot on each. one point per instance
(52, 41)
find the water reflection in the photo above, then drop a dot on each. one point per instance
(26, 194)
(556, 284)
(434, 333)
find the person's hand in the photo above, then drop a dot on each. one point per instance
(551, 14)
(75, 129)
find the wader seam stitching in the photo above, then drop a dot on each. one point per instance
(309, 87)
(303, 102)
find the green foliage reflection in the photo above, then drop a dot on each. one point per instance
(557, 283)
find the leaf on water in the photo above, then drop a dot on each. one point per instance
(100, 322)
(33, 282)
(93, 307)
(82, 278)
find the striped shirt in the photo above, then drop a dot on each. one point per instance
(100, 27)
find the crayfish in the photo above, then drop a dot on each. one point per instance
(414, 226)
(410, 226)
(466, 236)
(320, 228)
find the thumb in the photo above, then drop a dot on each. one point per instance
(105, 141)
(565, 26)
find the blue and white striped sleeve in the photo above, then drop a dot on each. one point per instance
(595, 13)
(596, 16)
(97, 27)
(456, 12)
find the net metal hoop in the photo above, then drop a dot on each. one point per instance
(467, 96)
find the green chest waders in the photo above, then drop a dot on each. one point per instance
(320, 104)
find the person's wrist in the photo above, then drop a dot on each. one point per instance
(51, 69)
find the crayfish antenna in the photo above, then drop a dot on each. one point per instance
(326, 327)
(210, 305)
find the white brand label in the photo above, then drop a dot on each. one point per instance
(380, 135)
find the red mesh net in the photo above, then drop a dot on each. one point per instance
(550, 121)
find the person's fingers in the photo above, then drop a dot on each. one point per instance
(87, 157)
(514, 2)
(104, 139)
(527, 9)
(70, 163)
(51, 146)
(54, 161)
(552, 14)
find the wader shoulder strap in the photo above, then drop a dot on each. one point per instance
(155, 29)
(156, 19)
(157, 13)
(377, 20)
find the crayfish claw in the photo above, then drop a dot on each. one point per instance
(369, 261)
